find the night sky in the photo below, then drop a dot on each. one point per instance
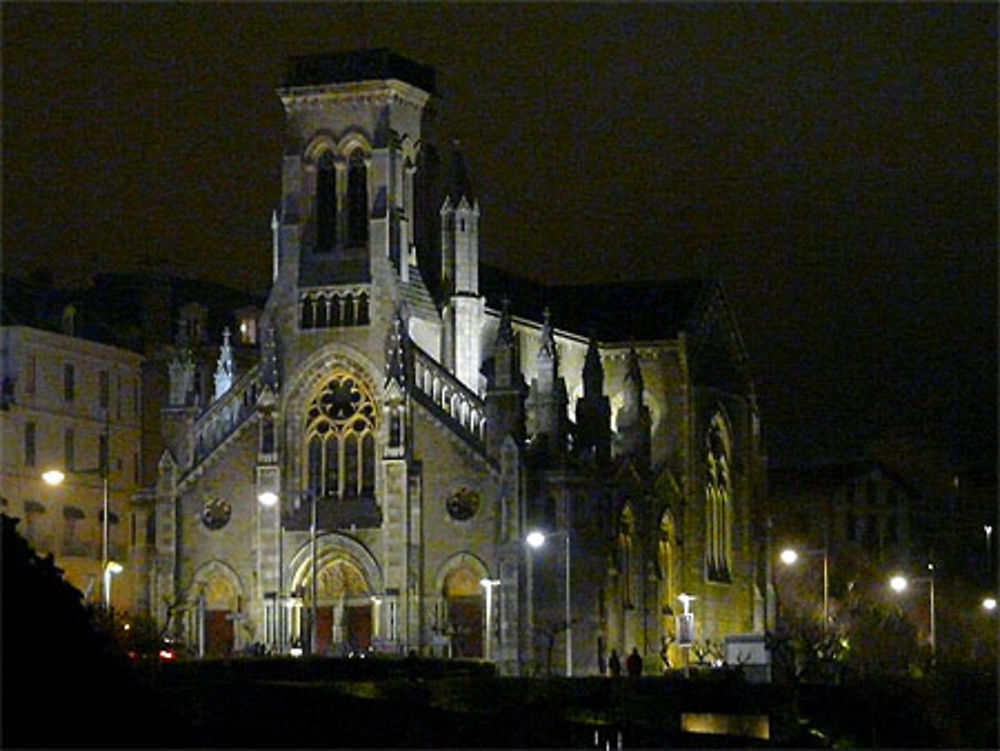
(834, 165)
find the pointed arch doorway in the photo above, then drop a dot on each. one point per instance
(348, 583)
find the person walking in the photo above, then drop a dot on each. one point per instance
(615, 665)
(634, 664)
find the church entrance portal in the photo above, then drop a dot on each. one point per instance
(218, 633)
(463, 598)
(343, 608)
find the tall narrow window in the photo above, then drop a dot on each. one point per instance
(368, 466)
(69, 382)
(326, 204)
(69, 449)
(718, 503)
(351, 466)
(665, 558)
(29, 444)
(357, 201)
(103, 388)
(29, 375)
(103, 460)
(332, 466)
(626, 556)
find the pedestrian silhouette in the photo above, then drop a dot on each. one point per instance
(634, 664)
(615, 665)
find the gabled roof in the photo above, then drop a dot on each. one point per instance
(830, 476)
(619, 312)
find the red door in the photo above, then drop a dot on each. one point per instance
(324, 629)
(218, 633)
(358, 626)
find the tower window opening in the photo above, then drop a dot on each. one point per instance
(357, 201)
(326, 205)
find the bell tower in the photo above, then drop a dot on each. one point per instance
(353, 133)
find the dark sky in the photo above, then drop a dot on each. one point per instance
(834, 165)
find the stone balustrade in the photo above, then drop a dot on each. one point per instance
(226, 414)
(436, 387)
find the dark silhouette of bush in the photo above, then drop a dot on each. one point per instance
(66, 683)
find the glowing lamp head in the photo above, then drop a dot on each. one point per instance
(898, 583)
(989, 604)
(535, 539)
(267, 498)
(789, 556)
(53, 477)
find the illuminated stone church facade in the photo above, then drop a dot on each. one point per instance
(368, 483)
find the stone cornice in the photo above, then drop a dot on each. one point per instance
(379, 93)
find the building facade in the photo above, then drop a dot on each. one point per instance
(369, 481)
(74, 405)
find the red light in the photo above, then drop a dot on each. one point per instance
(166, 654)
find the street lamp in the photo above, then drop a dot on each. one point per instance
(56, 477)
(988, 529)
(989, 604)
(790, 556)
(536, 539)
(488, 585)
(898, 583)
(110, 569)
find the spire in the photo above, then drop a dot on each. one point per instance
(268, 355)
(593, 410)
(459, 185)
(275, 245)
(593, 371)
(633, 418)
(548, 401)
(224, 367)
(633, 375)
(505, 331)
(548, 348)
(395, 342)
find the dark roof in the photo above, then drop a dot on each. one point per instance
(619, 312)
(358, 65)
(828, 476)
(135, 311)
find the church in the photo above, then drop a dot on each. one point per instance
(366, 481)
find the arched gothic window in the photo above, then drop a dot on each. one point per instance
(357, 201)
(718, 502)
(340, 439)
(326, 204)
(665, 556)
(626, 556)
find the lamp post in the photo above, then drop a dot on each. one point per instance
(269, 499)
(313, 640)
(899, 583)
(488, 585)
(789, 556)
(56, 477)
(536, 539)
